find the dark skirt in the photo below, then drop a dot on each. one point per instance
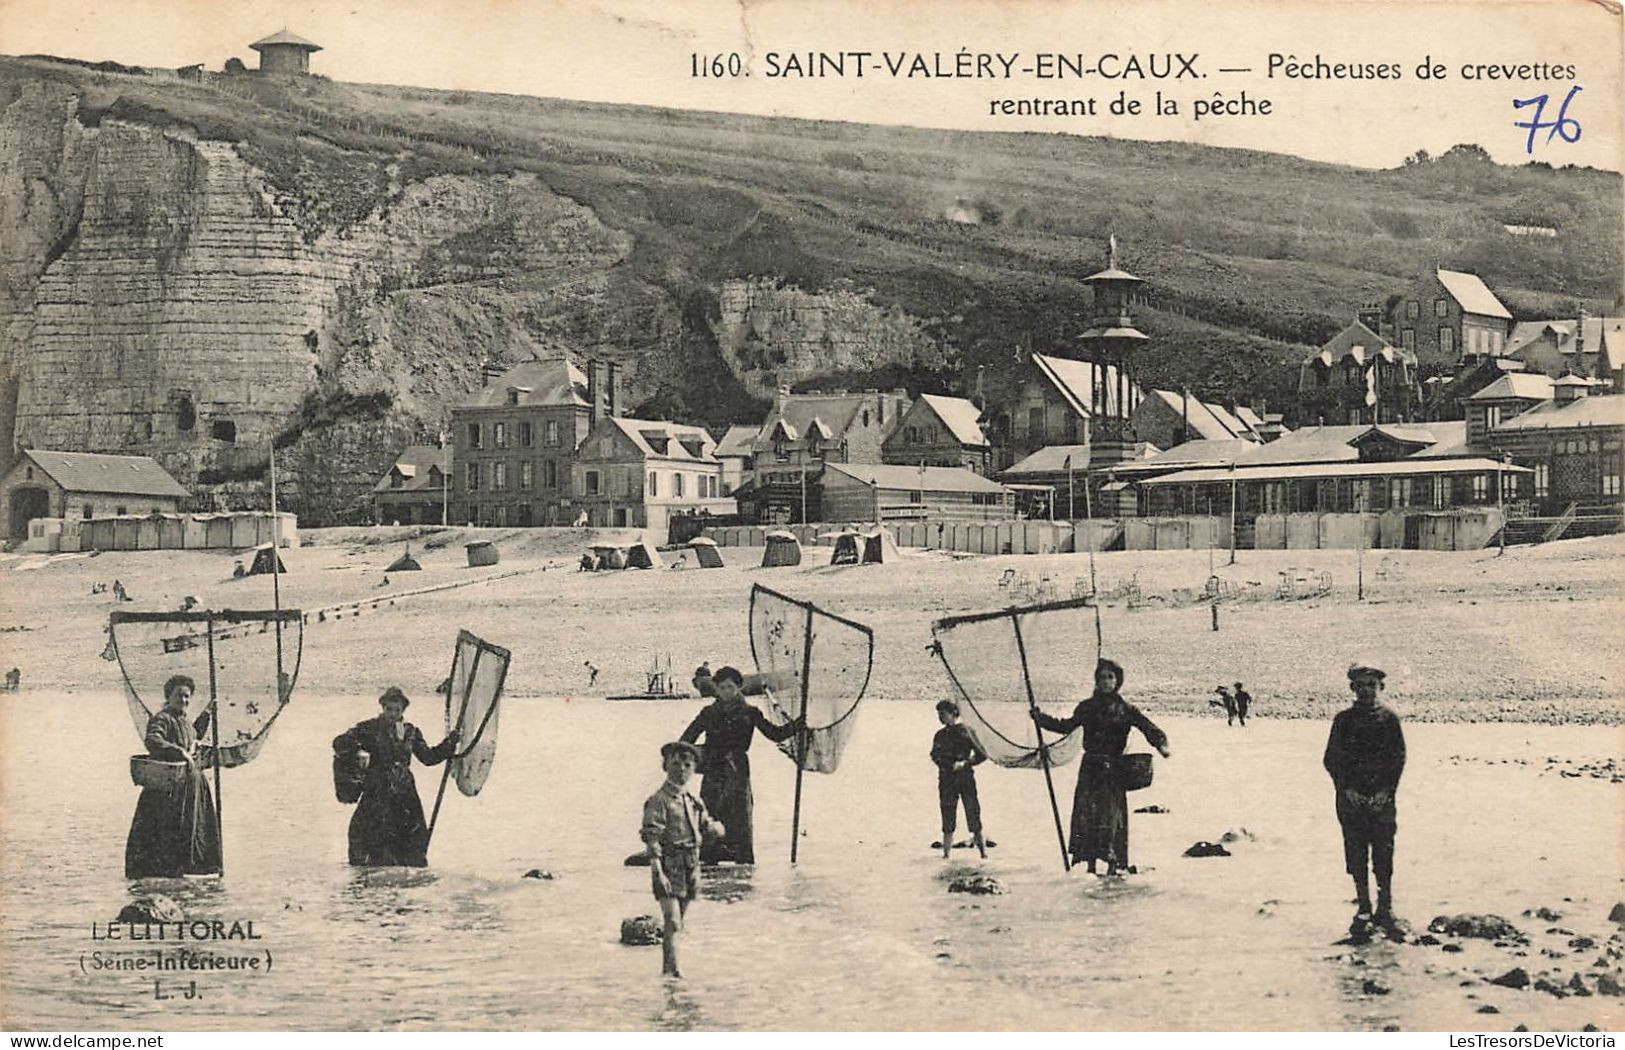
(174, 833)
(1099, 813)
(727, 797)
(387, 828)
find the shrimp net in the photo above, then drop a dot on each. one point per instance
(816, 659)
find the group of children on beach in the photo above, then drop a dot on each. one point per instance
(1365, 757)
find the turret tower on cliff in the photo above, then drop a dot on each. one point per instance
(1109, 346)
(285, 53)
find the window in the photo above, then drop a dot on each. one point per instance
(676, 484)
(1399, 492)
(866, 417)
(1407, 339)
(223, 430)
(185, 414)
(592, 483)
(499, 435)
(89, 508)
(1354, 417)
(551, 432)
(1441, 490)
(916, 496)
(1361, 495)
(1447, 341)
(527, 435)
(1035, 423)
(1543, 480)
(550, 473)
(499, 476)
(1274, 493)
(473, 435)
(473, 477)
(654, 483)
(121, 511)
(527, 475)
(513, 396)
(1610, 478)
(1321, 375)
(781, 451)
(1413, 310)
(1440, 308)
(1492, 417)
(1481, 487)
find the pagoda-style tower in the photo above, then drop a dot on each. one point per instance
(1109, 346)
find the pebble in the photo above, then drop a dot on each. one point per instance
(1206, 849)
(1373, 987)
(152, 908)
(1513, 978)
(537, 873)
(1488, 927)
(980, 885)
(1617, 913)
(1542, 913)
(641, 930)
(1153, 809)
(1488, 1009)
(1451, 947)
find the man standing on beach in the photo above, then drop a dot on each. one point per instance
(1243, 700)
(1365, 756)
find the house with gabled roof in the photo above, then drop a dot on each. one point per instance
(83, 485)
(1165, 419)
(1059, 402)
(801, 434)
(416, 489)
(734, 453)
(1357, 376)
(638, 473)
(891, 492)
(1448, 317)
(940, 431)
(1593, 347)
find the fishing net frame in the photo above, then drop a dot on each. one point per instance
(481, 647)
(793, 748)
(234, 754)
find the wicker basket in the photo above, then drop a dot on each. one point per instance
(149, 772)
(1133, 771)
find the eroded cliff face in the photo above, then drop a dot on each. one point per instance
(773, 335)
(161, 297)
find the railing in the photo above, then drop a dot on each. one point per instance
(1561, 525)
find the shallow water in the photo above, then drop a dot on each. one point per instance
(860, 934)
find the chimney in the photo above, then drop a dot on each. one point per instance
(592, 393)
(780, 397)
(609, 393)
(1580, 342)
(1570, 387)
(1370, 315)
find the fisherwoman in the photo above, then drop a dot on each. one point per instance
(388, 828)
(1100, 804)
(729, 726)
(175, 831)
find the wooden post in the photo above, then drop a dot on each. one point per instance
(1043, 748)
(214, 731)
(801, 734)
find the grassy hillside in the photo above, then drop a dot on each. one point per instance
(1247, 256)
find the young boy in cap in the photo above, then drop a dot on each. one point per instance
(956, 754)
(674, 822)
(1365, 756)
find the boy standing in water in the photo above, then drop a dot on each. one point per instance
(956, 754)
(673, 823)
(1365, 756)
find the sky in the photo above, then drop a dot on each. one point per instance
(1214, 52)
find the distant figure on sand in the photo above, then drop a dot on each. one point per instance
(956, 754)
(1227, 702)
(1100, 804)
(388, 828)
(729, 726)
(175, 831)
(119, 593)
(585, 564)
(702, 680)
(675, 823)
(1365, 756)
(14, 680)
(1244, 700)
(592, 673)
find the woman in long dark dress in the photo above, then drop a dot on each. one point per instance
(175, 831)
(1100, 804)
(729, 726)
(388, 827)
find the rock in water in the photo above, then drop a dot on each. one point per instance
(1207, 849)
(1488, 927)
(1617, 913)
(1488, 1009)
(1513, 978)
(1238, 835)
(1153, 809)
(641, 930)
(152, 908)
(980, 885)
(1374, 987)
(1542, 913)
(537, 873)
(1608, 984)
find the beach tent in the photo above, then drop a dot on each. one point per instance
(480, 552)
(405, 563)
(781, 549)
(706, 552)
(265, 558)
(879, 547)
(844, 547)
(642, 555)
(607, 556)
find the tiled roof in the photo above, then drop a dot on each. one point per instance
(928, 479)
(960, 416)
(1220, 452)
(1290, 471)
(115, 475)
(1052, 458)
(1528, 386)
(1075, 381)
(1600, 410)
(1472, 294)
(736, 442)
(547, 383)
(285, 38)
(660, 439)
(414, 464)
